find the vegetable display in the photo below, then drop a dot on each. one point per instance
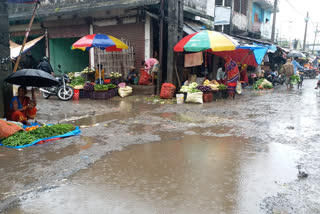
(111, 86)
(77, 81)
(115, 75)
(262, 84)
(222, 87)
(98, 87)
(87, 70)
(22, 138)
(212, 84)
(191, 88)
(204, 88)
(88, 86)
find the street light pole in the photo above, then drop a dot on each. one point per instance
(305, 32)
(315, 37)
(275, 7)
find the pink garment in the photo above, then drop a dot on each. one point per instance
(150, 63)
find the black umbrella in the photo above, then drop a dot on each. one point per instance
(296, 54)
(32, 77)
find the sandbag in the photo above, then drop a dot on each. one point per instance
(167, 91)
(124, 92)
(7, 129)
(196, 97)
(239, 88)
(144, 78)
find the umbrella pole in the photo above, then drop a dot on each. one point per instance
(26, 36)
(99, 67)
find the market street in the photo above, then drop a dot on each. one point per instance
(238, 156)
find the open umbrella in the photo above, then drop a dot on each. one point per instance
(206, 40)
(32, 77)
(104, 42)
(295, 54)
(247, 54)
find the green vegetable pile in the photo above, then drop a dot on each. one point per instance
(222, 87)
(262, 84)
(78, 81)
(98, 87)
(22, 138)
(111, 86)
(295, 79)
(191, 88)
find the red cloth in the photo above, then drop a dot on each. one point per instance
(244, 76)
(238, 55)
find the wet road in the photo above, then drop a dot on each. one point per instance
(224, 157)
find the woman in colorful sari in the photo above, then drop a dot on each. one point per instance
(22, 108)
(232, 76)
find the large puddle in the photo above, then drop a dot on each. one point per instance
(196, 174)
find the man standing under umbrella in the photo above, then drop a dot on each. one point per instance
(45, 66)
(296, 65)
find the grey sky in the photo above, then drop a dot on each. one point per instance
(290, 19)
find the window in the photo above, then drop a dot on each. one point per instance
(241, 6)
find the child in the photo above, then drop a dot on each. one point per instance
(132, 75)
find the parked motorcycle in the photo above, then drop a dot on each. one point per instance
(310, 73)
(275, 79)
(62, 91)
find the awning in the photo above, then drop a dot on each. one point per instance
(15, 48)
(192, 27)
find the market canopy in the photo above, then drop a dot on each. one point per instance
(247, 54)
(15, 48)
(206, 40)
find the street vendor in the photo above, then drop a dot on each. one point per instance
(97, 74)
(132, 75)
(232, 76)
(152, 66)
(221, 75)
(22, 107)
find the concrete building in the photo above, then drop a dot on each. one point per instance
(136, 22)
(250, 18)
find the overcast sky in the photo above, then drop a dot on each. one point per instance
(290, 19)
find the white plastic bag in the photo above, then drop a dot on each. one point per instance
(124, 92)
(196, 97)
(239, 88)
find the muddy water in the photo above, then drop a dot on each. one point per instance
(196, 174)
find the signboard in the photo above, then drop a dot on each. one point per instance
(222, 15)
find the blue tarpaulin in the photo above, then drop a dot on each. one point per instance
(259, 52)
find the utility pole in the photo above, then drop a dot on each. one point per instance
(275, 8)
(26, 35)
(5, 63)
(305, 32)
(315, 38)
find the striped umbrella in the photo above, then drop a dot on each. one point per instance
(104, 42)
(206, 40)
